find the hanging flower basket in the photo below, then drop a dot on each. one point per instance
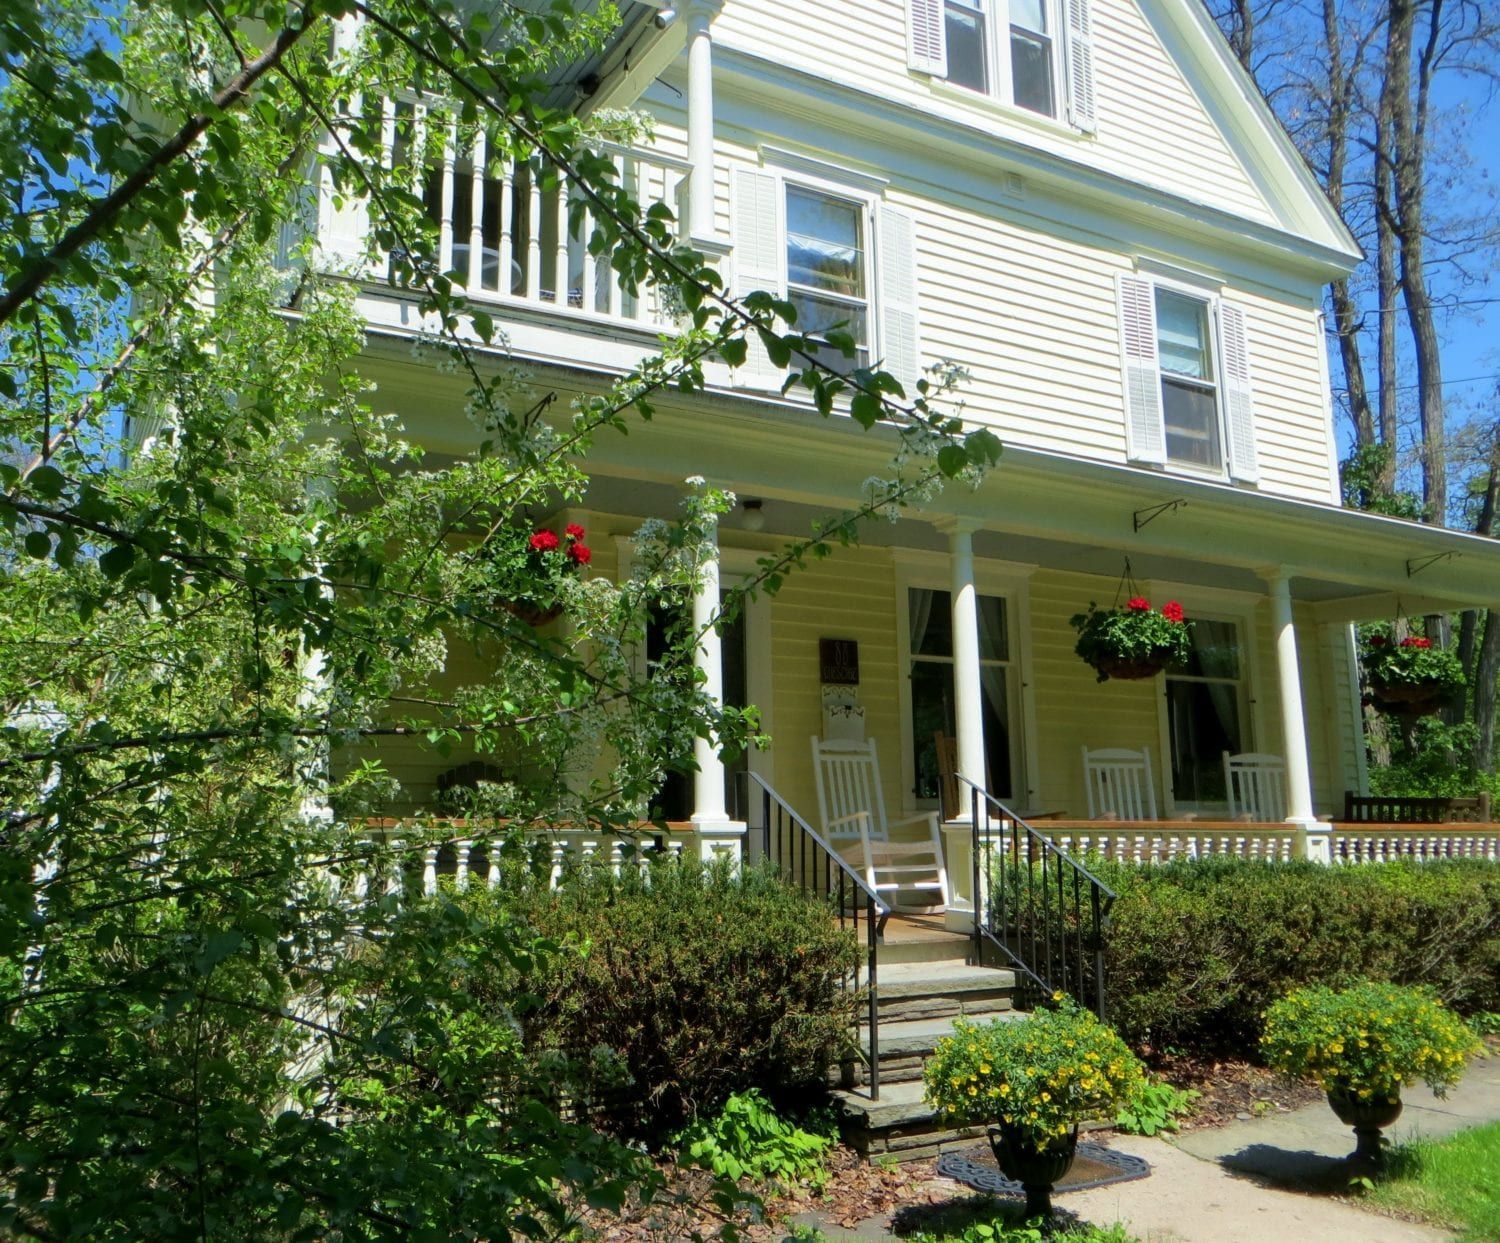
(529, 572)
(1411, 678)
(1132, 642)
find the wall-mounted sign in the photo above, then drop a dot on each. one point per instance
(838, 660)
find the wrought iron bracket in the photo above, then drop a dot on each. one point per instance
(1153, 512)
(1415, 565)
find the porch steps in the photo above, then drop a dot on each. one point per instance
(926, 982)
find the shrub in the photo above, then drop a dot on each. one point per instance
(1367, 1041)
(1195, 950)
(748, 1140)
(1040, 1075)
(702, 981)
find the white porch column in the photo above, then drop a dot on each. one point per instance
(968, 693)
(700, 125)
(1312, 837)
(708, 781)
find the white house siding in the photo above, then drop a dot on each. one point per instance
(1152, 124)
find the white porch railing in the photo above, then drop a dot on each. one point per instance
(517, 232)
(401, 866)
(1165, 842)
(1420, 843)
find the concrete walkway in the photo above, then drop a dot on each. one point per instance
(1263, 1180)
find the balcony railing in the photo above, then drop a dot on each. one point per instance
(516, 232)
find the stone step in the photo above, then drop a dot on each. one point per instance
(905, 1047)
(900, 946)
(943, 990)
(900, 1125)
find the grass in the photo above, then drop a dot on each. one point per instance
(1449, 1183)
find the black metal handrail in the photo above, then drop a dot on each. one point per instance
(1036, 904)
(803, 859)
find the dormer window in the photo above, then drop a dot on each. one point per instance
(1036, 55)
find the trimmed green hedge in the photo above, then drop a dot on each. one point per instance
(701, 981)
(1197, 950)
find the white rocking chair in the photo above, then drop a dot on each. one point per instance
(1256, 783)
(1118, 784)
(853, 820)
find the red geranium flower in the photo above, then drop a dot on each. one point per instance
(1414, 641)
(1138, 604)
(1377, 640)
(573, 531)
(582, 554)
(1172, 611)
(544, 541)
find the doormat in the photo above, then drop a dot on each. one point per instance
(1094, 1166)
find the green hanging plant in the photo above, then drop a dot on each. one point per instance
(1133, 640)
(1411, 677)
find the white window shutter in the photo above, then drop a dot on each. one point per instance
(926, 37)
(1239, 403)
(758, 261)
(896, 255)
(1145, 435)
(1080, 50)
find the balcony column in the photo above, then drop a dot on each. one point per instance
(968, 691)
(1313, 840)
(708, 660)
(699, 15)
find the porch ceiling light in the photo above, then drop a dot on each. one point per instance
(755, 517)
(665, 16)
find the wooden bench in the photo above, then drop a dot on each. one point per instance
(1401, 809)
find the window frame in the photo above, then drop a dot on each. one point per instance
(1009, 582)
(1210, 299)
(999, 69)
(1239, 610)
(866, 204)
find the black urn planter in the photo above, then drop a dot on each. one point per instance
(1368, 1118)
(1037, 1169)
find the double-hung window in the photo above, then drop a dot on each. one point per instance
(840, 253)
(1189, 393)
(929, 615)
(1206, 701)
(1031, 54)
(827, 271)
(1188, 399)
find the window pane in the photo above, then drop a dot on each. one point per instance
(995, 681)
(1216, 650)
(1204, 722)
(1182, 335)
(824, 242)
(1031, 72)
(931, 713)
(994, 642)
(1029, 15)
(816, 316)
(1191, 415)
(931, 622)
(966, 50)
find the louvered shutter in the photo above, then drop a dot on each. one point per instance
(758, 261)
(1145, 437)
(926, 38)
(343, 228)
(896, 255)
(1239, 404)
(1080, 49)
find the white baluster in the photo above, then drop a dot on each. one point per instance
(562, 277)
(590, 279)
(534, 237)
(429, 870)
(559, 851)
(445, 213)
(477, 158)
(461, 864)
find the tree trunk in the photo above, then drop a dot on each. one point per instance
(1408, 122)
(1483, 665)
(1385, 294)
(1346, 313)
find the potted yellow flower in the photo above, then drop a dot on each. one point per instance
(1032, 1081)
(1362, 1045)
